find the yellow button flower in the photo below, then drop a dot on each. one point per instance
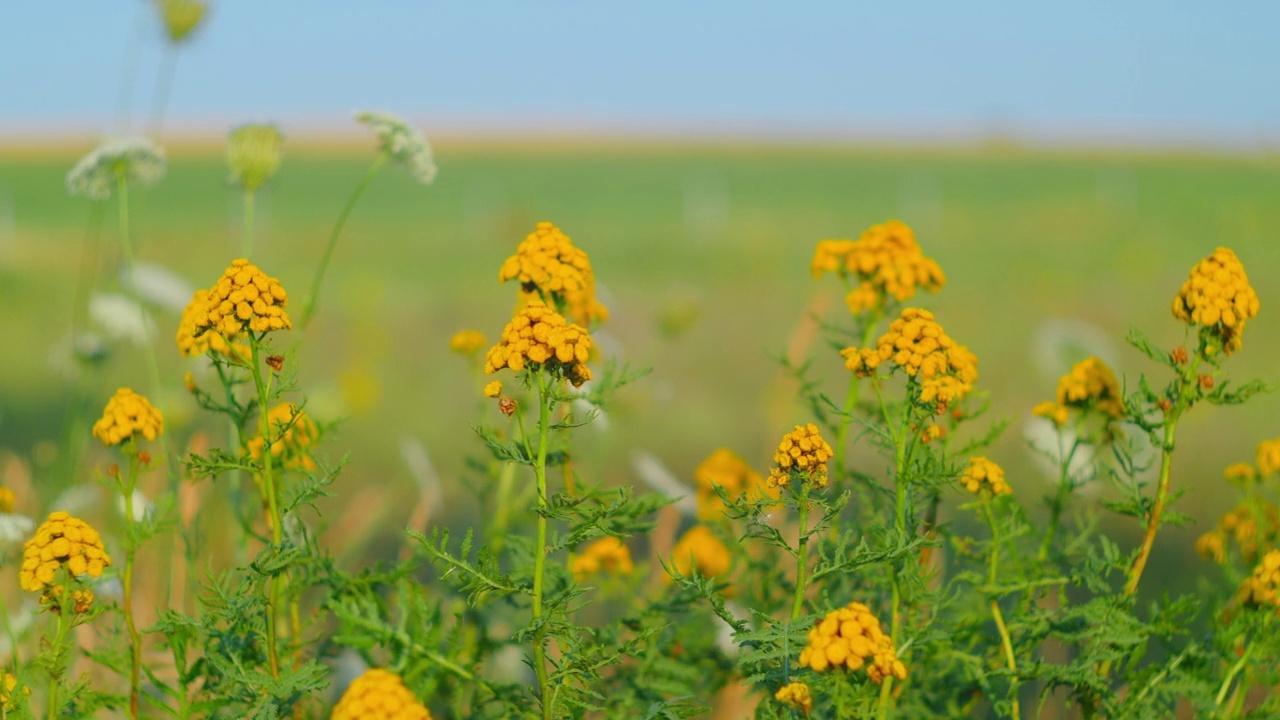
(728, 470)
(1269, 457)
(9, 683)
(60, 541)
(850, 637)
(493, 389)
(1261, 588)
(193, 344)
(467, 342)
(81, 599)
(606, 555)
(379, 695)
(886, 262)
(802, 453)
(540, 336)
(8, 501)
(917, 344)
(982, 474)
(547, 263)
(1218, 297)
(244, 298)
(796, 695)
(128, 415)
(1090, 385)
(699, 549)
(294, 432)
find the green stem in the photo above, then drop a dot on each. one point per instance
(1157, 509)
(1005, 641)
(540, 557)
(1231, 676)
(851, 400)
(269, 489)
(900, 523)
(130, 552)
(246, 242)
(59, 647)
(1059, 502)
(310, 307)
(802, 553)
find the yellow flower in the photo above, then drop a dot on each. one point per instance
(81, 599)
(254, 152)
(379, 695)
(546, 263)
(181, 17)
(1261, 588)
(191, 345)
(294, 434)
(1255, 529)
(244, 298)
(1089, 385)
(493, 389)
(8, 501)
(1269, 457)
(1210, 546)
(917, 344)
(467, 342)
(729, 471)
(699, 549)
(606, 555)
(1217, 296)
(887, 263)
(982, 474)
(61, 541)
(796, 695)
(1241, 472)
(802, 452)
(127, 415)
(9, 683)
(540, 336)
(851, 637)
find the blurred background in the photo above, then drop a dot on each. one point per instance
(1066, 165)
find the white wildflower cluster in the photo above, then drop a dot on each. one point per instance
(402, 143)
(134, 159)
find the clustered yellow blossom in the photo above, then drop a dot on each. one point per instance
(802, 451)
(917, 344)
(606, 555)
(62, 540)
(851, 637)
(699, 549)
(493, 389)
(982, 474)
(887, 263)
(540, 336)
(8, 501)
(547, 264)
(379, 695)
(467, 342)
(1218, 297)
(294, 432)
(244, 298)
(191, 344)
(1268, 457)
(9, 683)
(1261, 588)
(728, 470)
(1240, 473)
(796, 695)
(81, 599)
(1254, 528)
(1090, 385)
(127, 415)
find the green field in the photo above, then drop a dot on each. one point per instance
(717, 233)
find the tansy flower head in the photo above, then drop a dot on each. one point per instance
(1211, 546)
(1261, 588)
(8, 501)
(851, 638)
(379, 695)
(540, 336)
(886, 262)
(724, 468)
(253, 153)
(1269, 457)
(606, 555)
(982, 474)
(61, 541)
(128, 415)
(81, 599)
(917, 344)
(547, 264)
(97, 174)
(796, 695)
(244, 298)
(1218, 297)
(9, 683)
(294, 433)
(1089, 386)
(1240, 473)
(467, 342)
(1255, 528)
(191, 344)
(699, 549)
(401, 143)
(493, 389)
(802, 453)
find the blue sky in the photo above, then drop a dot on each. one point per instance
(1131, 69)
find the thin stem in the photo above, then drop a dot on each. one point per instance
(246, 242)
(269, 489)
(130, 552)
(1005, 641)
(1157, 509)
(851, 400)
(66, 604)
(900, 523)
(1231, 675)
(540, 556)
(802, 553)
(310, 306)
(1059, 502)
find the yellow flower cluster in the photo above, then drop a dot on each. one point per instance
(917, 344)
(493, 389)
(887, 262)
(699, 549)
(81, 600)
(127, 415)
(804, 452)
(294, 434)
(547, 264)
(727, 469)
(541, 336)
(1090, 385)
(9, 683)
(851, 637)
(1255, 529)
(982, 474)
(62, 540)
(796, 695)
(1218, 297)
(1240, 473)
(467, 342)
(191, 344)
(244, 298)
(8, 501)
(379, 695)
(1261, 588)
(606, 555)
(1268, 457)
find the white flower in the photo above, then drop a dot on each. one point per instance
(402, 143)
(119, 317)
(160, 286)
(142, 507)
(15, 528)
(133, 159)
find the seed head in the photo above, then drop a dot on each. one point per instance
(253, 153)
